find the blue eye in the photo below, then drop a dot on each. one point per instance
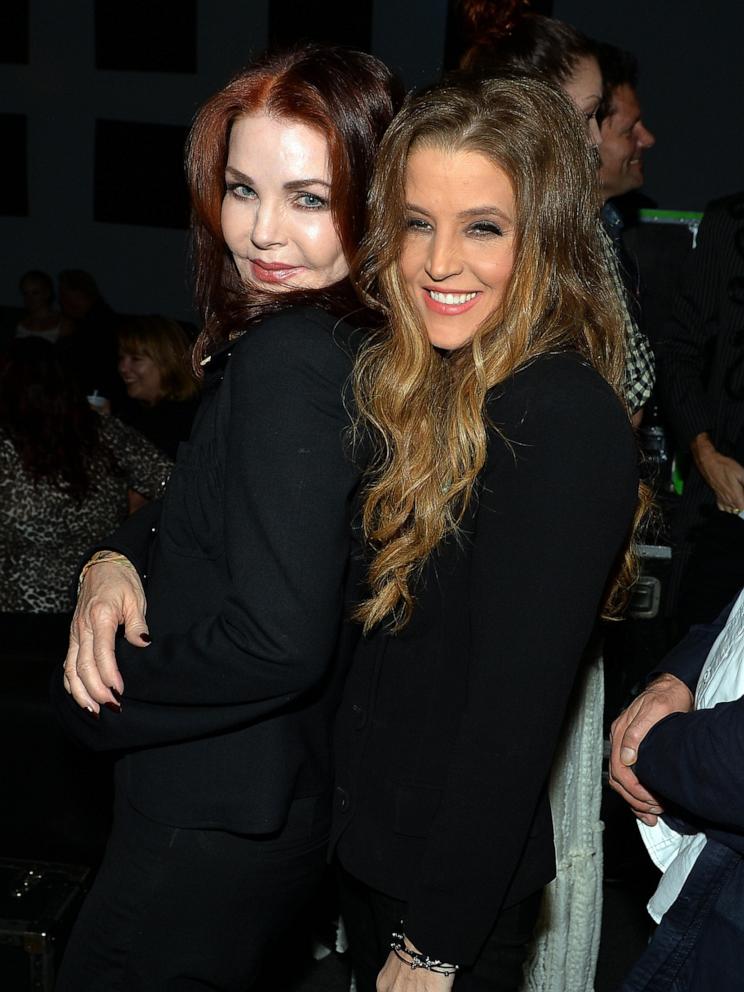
(240, 191)
(311, 201)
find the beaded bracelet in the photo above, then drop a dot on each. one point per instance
(398, 947)
(98, 558)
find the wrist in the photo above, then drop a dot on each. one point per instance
(666, 683)
(405, 952)
(702, 448)
(101, 557)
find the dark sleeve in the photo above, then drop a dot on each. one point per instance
(287, 487)
(132, 538)
(554, 512)
(687, 658)
(145, 467)
(695, 761)
(683, 344)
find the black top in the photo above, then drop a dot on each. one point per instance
(165, 424)
(701, 351)
(226, 714)
(446, 732)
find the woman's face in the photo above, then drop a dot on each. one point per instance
(141, 376)
(458, 251)
(36, 295)
(584, 87)
(276, 218)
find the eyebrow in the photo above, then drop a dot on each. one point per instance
(465, 214)
(291, 185)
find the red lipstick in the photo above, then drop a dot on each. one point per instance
(273, 272)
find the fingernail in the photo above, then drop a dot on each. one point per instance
(115, 693)
(146, 638)
(655, 810)
(114, 707)
(627, 755)
(92, 712)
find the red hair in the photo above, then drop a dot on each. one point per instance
(351, 98)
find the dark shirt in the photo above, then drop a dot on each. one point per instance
(446, 733)
(226, 714)
(165, 424)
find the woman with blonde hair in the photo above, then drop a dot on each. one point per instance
(162, 391)
(495, 518)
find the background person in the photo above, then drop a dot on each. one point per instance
(507, 39)
(162, 392)
(486, 390)
(701, 384)
(40, 319)
(625, 137)
(64, 476)
(691, 761)
(222, 813)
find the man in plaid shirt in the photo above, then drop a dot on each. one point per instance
(624, 140)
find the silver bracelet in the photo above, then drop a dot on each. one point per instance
(418, 960)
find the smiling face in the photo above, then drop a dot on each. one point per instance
(141, 376)
(624, 140)
(276, 218)
(458, 251)
(584, 89)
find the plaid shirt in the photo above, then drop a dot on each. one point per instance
(640, 369)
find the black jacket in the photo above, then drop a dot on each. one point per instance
(226, 714)
(446, 732)
(701, 355)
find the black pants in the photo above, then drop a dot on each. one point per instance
(181, 910)
(370, 917)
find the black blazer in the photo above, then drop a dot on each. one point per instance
(226, 714)
(701, 350)
(446, 732)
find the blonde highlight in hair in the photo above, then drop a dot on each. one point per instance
(426, 411)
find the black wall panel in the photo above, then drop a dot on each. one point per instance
(147, 36)
(139, 174)
(13, 166)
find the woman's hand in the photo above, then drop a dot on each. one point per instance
(396, 976)
(110, 594)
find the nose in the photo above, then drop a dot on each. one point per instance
(644, 137)
(268, 226)
(124, 363)
(442, 261)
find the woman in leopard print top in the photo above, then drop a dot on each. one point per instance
(65, 473)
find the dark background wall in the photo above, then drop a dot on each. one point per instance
(96, 97)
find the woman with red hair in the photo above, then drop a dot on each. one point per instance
(222, 716)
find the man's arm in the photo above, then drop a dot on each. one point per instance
(725, 476)
(670, 691)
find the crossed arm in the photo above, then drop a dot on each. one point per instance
(671, 691)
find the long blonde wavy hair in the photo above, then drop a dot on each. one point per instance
(425, 411)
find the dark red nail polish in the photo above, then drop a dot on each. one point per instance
(146, 638)
(91, 713)
(114, 707)
(115, 693)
